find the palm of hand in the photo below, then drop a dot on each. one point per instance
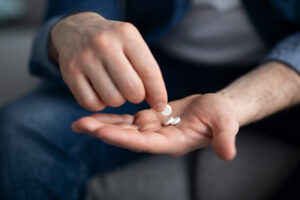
(201, 117)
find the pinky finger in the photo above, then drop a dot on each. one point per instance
(84, 93)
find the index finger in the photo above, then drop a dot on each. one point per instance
(144, 63)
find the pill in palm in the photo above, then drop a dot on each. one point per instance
(175, 121)
(169, 121)
(167, 111)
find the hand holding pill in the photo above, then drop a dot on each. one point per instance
(106, 62)
(185, 125)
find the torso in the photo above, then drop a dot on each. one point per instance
(215, 32)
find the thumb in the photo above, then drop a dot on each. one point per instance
(224, 135)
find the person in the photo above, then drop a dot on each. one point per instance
(220, 64)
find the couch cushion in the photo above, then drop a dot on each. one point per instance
(155, 178)
(261, 166)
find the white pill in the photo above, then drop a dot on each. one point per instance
(167, 111)
(169, 121)
(176, 121)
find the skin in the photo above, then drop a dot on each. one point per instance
(106, 62)
(205, 119)
(87, 46)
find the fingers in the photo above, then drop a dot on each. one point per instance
(131, 71)
(103, 85)
(118, 66)
(124, 76)
(224, 146)
(91, 123)
(82, 91)
(113, 118)
(117, 131)
(86, 125)
(146, 66)
(122, 135)
(117, 136)
(224, 135)
(150, 142)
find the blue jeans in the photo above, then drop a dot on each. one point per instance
(41, 158)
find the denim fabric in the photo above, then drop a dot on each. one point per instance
(41, 158)
(275, 21)
(41, 63)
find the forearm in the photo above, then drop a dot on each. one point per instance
(264, 91)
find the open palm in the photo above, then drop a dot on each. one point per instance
(205, 119)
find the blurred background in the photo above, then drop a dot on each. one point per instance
(19, 20)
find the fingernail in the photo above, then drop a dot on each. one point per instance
(161, 106)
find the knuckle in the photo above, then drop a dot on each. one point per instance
(198, 100)
(127, 28)
(102, 41)
(131, 85)
(135, 90)
(85, 55)
(149, 72)
(70, 68)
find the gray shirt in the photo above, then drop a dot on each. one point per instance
(215, 32)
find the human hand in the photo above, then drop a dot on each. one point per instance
(205, 119)
(105, 62)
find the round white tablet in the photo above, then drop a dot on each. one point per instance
(167, 111)
(176, 121)
(169, 121)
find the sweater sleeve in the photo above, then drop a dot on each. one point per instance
(41, 63)
(287, 51)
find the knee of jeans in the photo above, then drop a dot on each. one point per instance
(28, 150)
(31, 133)
(37, 123)
(16, 149)
(14, 128)
(10, 120)
(24, 122)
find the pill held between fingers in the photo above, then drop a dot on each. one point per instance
(167, 111)
(169, 121)
(176, 121)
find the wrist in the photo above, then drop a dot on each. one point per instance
(242, 108)
(78, 20)
(267, 89)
